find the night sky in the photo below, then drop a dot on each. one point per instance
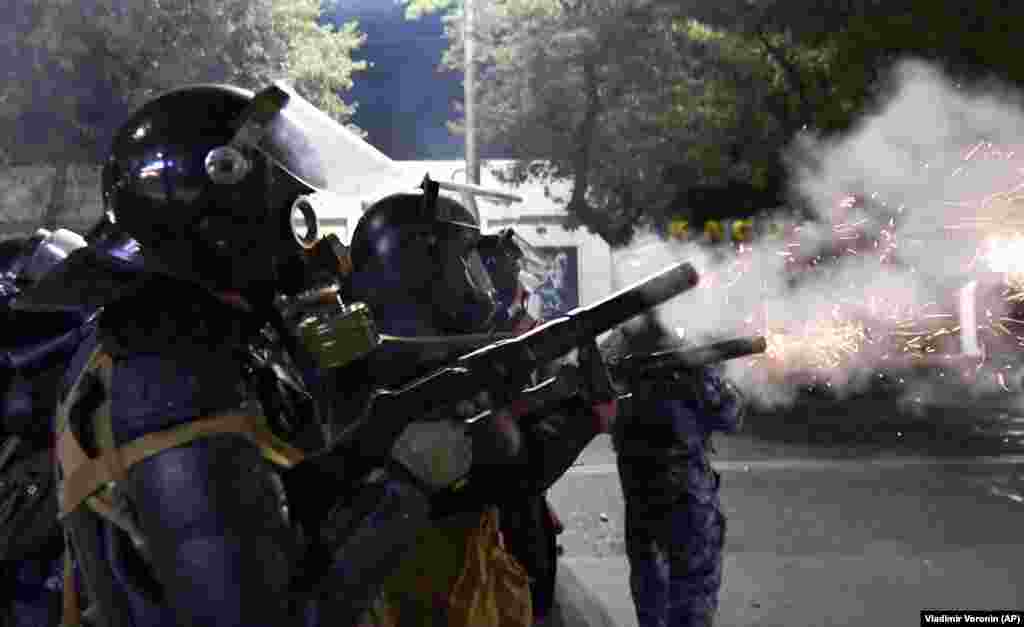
(404, 100)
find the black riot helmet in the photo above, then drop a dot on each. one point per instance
(420, 251)
(186, 179)
(216, 185)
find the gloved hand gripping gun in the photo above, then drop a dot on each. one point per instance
(502, 369)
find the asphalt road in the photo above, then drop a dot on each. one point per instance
(854, 517)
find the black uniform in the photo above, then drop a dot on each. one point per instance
(675, 528)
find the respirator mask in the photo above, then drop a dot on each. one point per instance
(313, 149)
(332, 332)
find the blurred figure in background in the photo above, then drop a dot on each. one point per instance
(675, 528)
(36, 348)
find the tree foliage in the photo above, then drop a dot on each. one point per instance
(630, 99)
(579, 87)
(319, 57)
(79, 66)
(415, 9)
(642, 101)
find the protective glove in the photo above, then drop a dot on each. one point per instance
(597, 386)
(682, 385)
(438, 453)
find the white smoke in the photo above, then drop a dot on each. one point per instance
(914, 157)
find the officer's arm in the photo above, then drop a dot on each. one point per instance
(365, 526)
(554, 440)
(219, 541)
(721, 401)
(210, 510)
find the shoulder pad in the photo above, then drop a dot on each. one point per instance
(155, 391)
(178, 354)
(170, 317)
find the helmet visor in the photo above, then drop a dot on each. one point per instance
(477, 274)
(533, 265)
(315, 149)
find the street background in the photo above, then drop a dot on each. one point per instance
(838, 516)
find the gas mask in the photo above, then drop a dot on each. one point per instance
(332, 332)
(462, 294)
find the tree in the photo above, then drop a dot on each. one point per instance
(645, 102)
(634, 102)
(415, 9)
(81, 65)
(836, 55)
(577, 86)
(319, 60)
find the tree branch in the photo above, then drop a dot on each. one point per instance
(791, 73)
(578, 204)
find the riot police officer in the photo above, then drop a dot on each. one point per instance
(424, 268)
(179, 415)
(675, 528)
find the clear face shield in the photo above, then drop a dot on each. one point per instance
(533, 266)
(476, 272)
(517, 270)
(339, 166)
(318, 151)
(465, 247)
(315, 150)
(463, 291)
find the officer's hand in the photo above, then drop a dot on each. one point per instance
(605, 413)
(681, 385)
(438, 453)
(691, 380)
(604, 410)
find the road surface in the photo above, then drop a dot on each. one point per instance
(837, 521)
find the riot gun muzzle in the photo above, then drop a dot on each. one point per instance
(569, 382)
(642, 365)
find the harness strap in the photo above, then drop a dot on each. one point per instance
(85, 479)
(71, 614)
(89, 475)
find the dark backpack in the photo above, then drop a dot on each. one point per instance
(28, 399)
(28, 504)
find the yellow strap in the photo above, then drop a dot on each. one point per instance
(103, 422)
(85, 476)
(71, 615)
(98, 360)
(92, 474)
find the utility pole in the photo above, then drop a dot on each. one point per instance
(469, 103)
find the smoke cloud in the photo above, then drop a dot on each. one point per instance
(936, 163)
